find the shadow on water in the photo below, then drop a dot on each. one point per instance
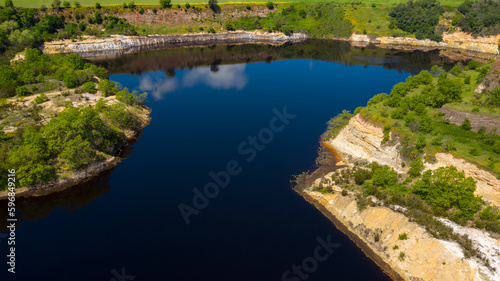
(170, 60)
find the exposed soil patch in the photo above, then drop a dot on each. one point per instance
(177, 17)
(477, 120)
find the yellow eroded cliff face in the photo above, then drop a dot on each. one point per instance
(361, 140)
(425, 257)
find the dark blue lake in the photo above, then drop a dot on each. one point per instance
(205, 103)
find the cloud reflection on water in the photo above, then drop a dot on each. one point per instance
(158, 87)
(221, 77)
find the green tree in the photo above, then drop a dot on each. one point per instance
(213, 4)
(22, 91)
(230, 26)
(33, 137)
(385, 176)
(400, 88)
(419, 17)
(77, 4)
(426, 125)
(121, 117)
(98, 5)
(270, 5)
(134, 98)
(66, 5)
(107, 87)
(457, 69)
(8, 81)
(451, 89)
(446, 188)
(41, 98)
(361, 175)
(493, 97)
(420, 109)
(31, 165)
(466, 124)
(421, 142)
(9, 3)
(98, 17)
(423, 78)
(70, 80)
(22, 39)
(75, 61)
(75, 121)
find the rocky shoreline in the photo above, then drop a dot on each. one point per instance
(457, 42)
(80, 176)
(353, 236)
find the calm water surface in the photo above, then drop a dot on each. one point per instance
(205, 103)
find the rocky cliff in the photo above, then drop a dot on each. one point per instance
(118, 44)
(424, 257)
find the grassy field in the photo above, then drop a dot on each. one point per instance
(47, 3)
(368, 20)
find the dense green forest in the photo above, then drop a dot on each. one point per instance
(39, 73)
